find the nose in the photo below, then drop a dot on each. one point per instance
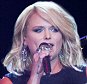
(47, 35)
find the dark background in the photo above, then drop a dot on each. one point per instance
(10, 9)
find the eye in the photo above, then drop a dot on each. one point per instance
(54, 29)
(38, 29)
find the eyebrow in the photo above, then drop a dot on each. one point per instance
(38, 26)
(43, 26)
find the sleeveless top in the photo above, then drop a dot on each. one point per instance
(66, 76)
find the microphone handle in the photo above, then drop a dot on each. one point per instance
(47, 65)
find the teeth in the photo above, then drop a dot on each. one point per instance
(46, 46)
(50, 45)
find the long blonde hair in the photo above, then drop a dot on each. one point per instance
(57, 16)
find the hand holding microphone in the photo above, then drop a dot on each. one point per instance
(41, 60)
(46, 59)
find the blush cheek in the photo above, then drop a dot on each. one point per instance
(31, 45)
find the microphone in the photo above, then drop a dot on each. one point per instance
(46, 59)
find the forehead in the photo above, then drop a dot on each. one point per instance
(37, 19)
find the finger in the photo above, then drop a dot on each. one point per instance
(36, 57)
(43, 54)
(40, 67)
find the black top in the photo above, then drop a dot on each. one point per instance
(65, 76)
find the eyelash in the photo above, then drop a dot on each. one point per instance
(54, 29)
(39, 30)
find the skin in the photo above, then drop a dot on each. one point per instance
(34, 37)
(38, 31)
(33, 40)
(5, 80)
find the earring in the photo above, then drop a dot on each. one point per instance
(24, 52)
(61, 56)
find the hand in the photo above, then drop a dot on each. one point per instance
(37, 68)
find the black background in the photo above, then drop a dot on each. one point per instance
(10, 9)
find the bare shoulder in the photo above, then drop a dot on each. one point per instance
(5, 80)
(86, 71)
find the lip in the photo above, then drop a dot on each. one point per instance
(45, 45)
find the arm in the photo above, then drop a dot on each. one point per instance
(36, 71)
(34, 80)
(5, 80)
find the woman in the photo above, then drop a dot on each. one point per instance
(50, 23)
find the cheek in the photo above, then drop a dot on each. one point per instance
(31, 44)
(58, 40)
(59, 44)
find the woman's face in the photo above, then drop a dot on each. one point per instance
(39, 31)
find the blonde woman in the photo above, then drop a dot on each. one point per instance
(50, 23)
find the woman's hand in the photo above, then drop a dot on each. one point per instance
(37, 68)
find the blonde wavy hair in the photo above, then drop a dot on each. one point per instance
(57, 16)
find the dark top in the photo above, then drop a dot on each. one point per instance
(65, 76)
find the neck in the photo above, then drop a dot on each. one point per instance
(56, 66)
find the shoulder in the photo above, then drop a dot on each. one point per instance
(15, 79)
(5, 80)
(86, 71)
(76, 75)
(82, 72)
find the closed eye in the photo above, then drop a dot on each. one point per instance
(38, 29)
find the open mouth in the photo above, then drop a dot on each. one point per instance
(46, 46)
